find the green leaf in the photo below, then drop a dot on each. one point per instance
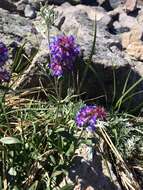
(67, 187)
(52, 159)
(70, 150)
(34, 186)
(15, 188)
(56, 173)
(88, 142)
(9, 140)
(0, 182)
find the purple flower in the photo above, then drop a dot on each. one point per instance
(56, 69)
(3, 54)
(4, 75)
(63, 51)
(88, 115)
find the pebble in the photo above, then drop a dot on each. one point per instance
(29, 12)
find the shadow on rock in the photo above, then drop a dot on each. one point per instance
(91, 174)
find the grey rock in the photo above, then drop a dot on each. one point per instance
(117, 25)
(21, 7)
(115, 3)
(14, 24)
(16, 30)
(108, 54)
(98, 177)
(29, 11)
(81, 26)
(101, 1)
(127, 21)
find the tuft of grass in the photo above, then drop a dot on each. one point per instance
(48, 140)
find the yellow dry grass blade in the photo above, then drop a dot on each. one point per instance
(125, 174)
(21, 98)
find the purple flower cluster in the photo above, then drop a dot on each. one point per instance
(63, 51)
(3, 54)
(4, 74)
(88, 115)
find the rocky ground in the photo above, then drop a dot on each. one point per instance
(119, 40)
(119, 45)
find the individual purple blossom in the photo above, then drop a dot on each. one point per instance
(4, 75)
(63, 52)
(56, 69)
(88, 115)
(3, 54)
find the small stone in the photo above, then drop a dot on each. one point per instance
(131, 41)
(21, 7)
(130, 5)
(101, 1)
(133, 36)
(135, 50)
(115, 3)
(116, 25)
(127, 21)
(29, 12)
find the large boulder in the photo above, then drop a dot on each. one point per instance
(110, 64)
(108, 56)
(13, 26)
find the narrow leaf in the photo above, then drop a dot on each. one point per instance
(9, 140)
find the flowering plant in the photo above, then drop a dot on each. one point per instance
(88, 116)
(63, 52)
(4, 74)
